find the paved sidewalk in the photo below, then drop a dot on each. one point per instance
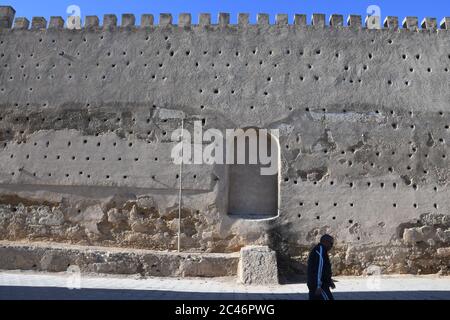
(40, 285)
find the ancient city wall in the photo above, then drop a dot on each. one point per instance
(87, 115)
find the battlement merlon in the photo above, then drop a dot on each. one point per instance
(7, 14)
(318, 20)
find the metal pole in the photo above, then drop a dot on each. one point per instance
(179, 193)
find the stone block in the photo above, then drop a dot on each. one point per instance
(165, 19)
(147, 20)
(243, 19)
(429, 24)
(38, 23)
(354, 21)
(21, 23)
(224, 19)
(318, 20)
(300, 19)
(184, 20)
(109, 21)
(420, 234)
(391, 22)
(445, 23)
(336, 20)
(128, 20)
(443, 252)
(91, 22)
(282, 19)
(258, 266)
(411, 23)
(7, 14)
(204, 19)
(56, 23)
(263, 19)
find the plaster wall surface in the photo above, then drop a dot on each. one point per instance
(86, 123)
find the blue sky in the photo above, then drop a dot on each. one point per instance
(47, 8)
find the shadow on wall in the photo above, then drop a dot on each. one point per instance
(290, 270)
(52, 293)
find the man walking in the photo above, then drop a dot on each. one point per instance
(319, 270)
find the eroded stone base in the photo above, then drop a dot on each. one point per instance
(57, 258)
(258, 266)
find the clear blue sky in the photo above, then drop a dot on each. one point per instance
(400, 8)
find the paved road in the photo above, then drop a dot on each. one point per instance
(34, 285)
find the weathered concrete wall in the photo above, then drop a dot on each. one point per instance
(364, 136)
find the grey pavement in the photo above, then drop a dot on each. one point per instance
(42, 286)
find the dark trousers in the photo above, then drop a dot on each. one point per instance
(326, 294)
